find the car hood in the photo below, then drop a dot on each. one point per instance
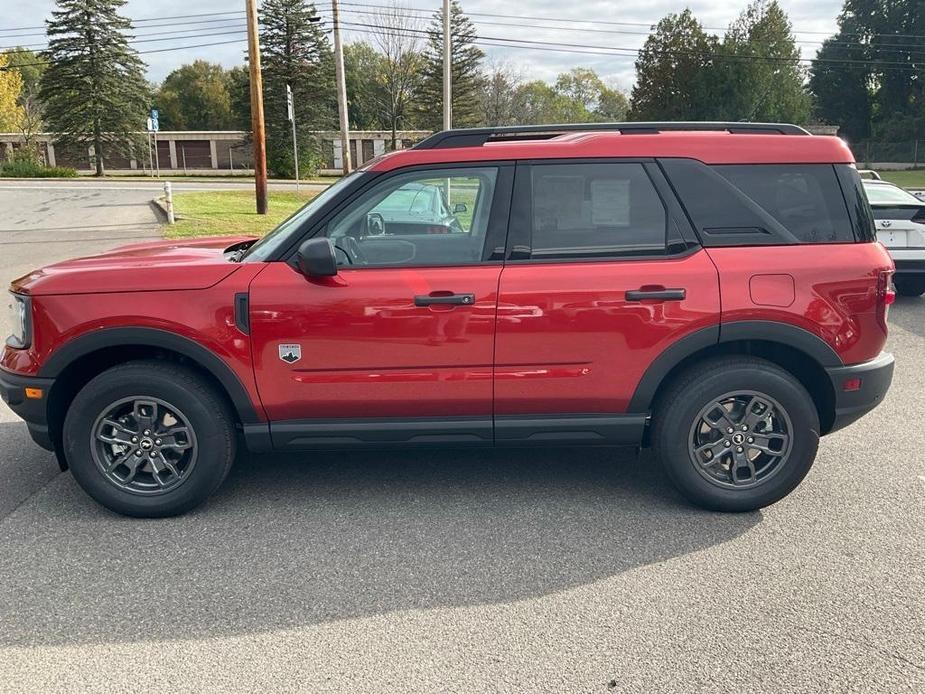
(152, 266)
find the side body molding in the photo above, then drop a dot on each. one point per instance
(90, 342)
(766, 331)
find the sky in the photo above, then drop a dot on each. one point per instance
(589, 22)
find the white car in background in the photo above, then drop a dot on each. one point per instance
(900, 220)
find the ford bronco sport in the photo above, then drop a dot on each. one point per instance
(712, 290)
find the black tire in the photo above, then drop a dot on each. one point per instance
(677, 422)
(906, 286)
(208, 423)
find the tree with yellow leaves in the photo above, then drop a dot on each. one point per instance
(11, 112)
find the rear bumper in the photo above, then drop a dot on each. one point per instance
(32, 411)
(875, 377)
(911, 267)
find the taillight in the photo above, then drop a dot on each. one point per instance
(886, 295)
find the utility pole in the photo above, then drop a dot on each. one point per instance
(290, 111)
(260, 143)
(341, 90)
(447, 69)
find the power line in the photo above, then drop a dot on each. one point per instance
(615, 50)
(149, 26)
(143, 19)
(43, 47)
(880, 47)
(154, 50)
(606, 22)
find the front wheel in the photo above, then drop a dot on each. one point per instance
(736, 433)
(149, 439)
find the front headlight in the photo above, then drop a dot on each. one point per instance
(20, 311)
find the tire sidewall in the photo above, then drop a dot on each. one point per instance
(200, 410)
(679, 417)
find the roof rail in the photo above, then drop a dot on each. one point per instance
(476, 137)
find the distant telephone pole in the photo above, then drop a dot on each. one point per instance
(341, 90)
(447, 69)
(257, 127)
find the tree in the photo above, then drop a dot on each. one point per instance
(196, 97)
(498, 87)
(239, 97)
(295, 51)
(769, 88)
(466, 58)
(361, 65)
(673, 71)
(537, 103)
(10, 87)
(841, 91)
(882, 96)
(397, 77)
(584, 86)
(93, 90)
(31, 67)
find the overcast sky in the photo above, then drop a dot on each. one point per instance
(812, 21)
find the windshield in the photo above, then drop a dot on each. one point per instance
(880, 194)
(266, 246)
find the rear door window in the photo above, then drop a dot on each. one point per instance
(594, 211)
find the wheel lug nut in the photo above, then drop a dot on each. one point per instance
(751, 439)
(138, 452)
(153, 454)
(134, 439)
(729, 430)
(744, 427)
(157, 442)
(147, 431)
(738, 449)
(726, 444)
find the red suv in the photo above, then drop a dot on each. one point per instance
(712, 290)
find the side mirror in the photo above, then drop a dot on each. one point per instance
(459, 208)
(316, 258)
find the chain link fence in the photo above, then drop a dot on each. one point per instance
(909, 154)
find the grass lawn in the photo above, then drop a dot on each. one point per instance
(230, 212)
(913, 178)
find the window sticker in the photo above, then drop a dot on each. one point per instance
(610, 202)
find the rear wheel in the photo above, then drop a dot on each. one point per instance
(736, 434)
(149, 439)
(909, 286)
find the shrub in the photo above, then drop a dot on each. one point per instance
(25, 167)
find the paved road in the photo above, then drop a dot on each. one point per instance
(557, 570)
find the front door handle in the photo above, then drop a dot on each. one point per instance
(444, 298)
(656, 294)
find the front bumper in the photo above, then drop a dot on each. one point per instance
(32, 411)
(875, 377)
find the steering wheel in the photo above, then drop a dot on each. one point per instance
(353, 250)
(375, 224)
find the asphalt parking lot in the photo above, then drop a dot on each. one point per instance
(555, 570)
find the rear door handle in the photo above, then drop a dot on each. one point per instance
(436, 298)
(656, 294)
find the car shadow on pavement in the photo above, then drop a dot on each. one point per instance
(297, 540)
(909, 314)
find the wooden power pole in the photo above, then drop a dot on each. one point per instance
(341, 90)
(447, 69)
(257, 126)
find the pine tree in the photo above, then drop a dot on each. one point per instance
(465, 72)
(673, 79)
(94, 90)
(768, 89)
(294, 50)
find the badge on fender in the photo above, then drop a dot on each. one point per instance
(290, 353)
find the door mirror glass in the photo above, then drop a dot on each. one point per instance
(316, 258)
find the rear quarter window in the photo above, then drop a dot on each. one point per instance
(763, 204)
